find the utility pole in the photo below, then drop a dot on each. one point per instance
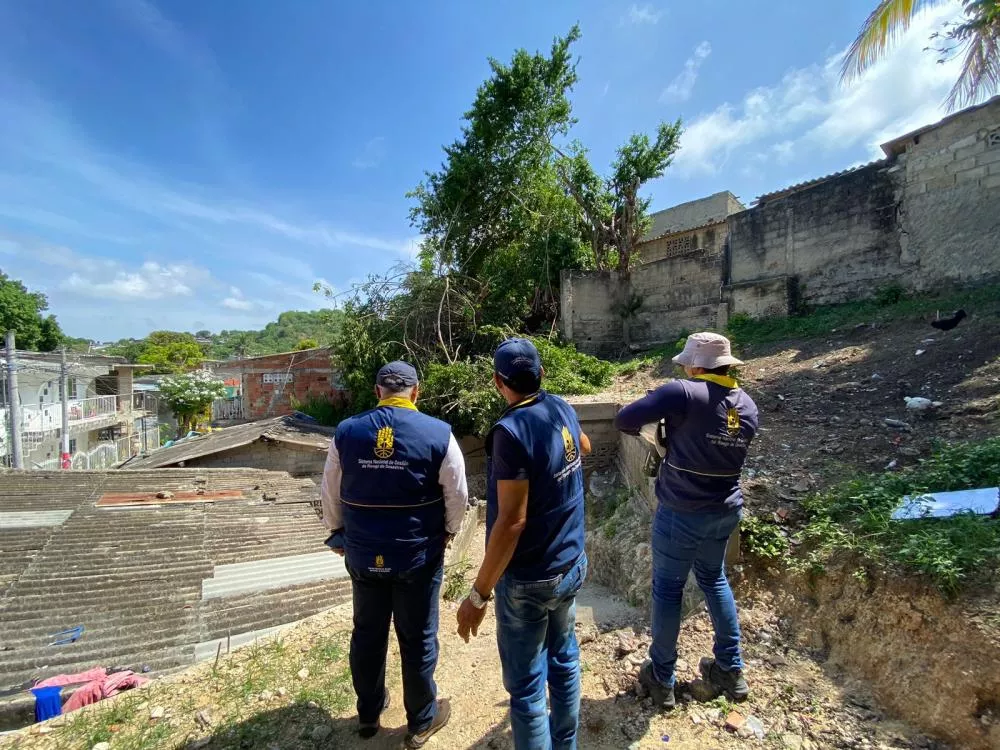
(64, 390)
(16, 453)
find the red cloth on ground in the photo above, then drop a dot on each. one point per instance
(60, 680)
(105, 687)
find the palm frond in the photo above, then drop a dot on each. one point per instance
(980, 39)
(887, 22)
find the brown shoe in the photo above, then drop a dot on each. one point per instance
(414, 740)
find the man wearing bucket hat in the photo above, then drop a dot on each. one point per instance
(710, 423)
(394, 491)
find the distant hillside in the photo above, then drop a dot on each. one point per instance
(293, 329)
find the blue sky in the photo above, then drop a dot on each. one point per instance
(191, 164)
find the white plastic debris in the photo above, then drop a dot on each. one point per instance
(919, 403)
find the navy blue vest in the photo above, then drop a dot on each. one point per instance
(394, 516)
(708, 446)
(552, 540)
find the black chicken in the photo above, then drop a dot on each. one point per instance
(946, 324)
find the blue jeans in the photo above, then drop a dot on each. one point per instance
(680, 541)
(410, 600)
(536, 636)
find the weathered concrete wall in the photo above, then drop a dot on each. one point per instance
(924, 218)
(588, 301)
(679, 293)
(274, 456)
(949, 222)
(837, 239)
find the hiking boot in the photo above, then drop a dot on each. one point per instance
(662, 695)
(367, 731)
(415, 740)
(731, 683)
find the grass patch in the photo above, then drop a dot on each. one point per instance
(763, 538)
(254, 698)
(890, 303)
(455, 585)
(953, 553)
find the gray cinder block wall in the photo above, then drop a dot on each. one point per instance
(925, 217)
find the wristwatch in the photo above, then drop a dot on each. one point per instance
(477, 600)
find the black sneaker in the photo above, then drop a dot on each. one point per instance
(663, 696)
(367, 731)
(417, 740)
(731, 683)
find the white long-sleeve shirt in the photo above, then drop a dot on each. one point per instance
(451, 477)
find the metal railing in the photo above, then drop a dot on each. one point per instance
(226, 409)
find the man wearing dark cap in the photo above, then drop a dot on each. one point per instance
(394, 493)
(534, 561)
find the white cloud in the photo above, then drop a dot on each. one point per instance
(149, 282)
(810, 110)
(236, 300)
(372, 155)
(681, 87)
(645, 14)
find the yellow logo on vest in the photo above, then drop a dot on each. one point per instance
(379, 561)
(733, 421)
(384, 443)
(569, 445)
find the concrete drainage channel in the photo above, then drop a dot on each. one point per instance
(933, 663)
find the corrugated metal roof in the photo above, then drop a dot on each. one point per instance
(286, 429)
(31, 519)
(812, 183)
(275, 573)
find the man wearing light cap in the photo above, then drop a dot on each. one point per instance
(534, 560)
(710, 423)
(394, 492)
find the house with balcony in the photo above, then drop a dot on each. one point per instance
(109, 420)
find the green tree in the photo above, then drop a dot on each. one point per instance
(130, 349)
(614, 214)
(21, 312)
(171, 352)
(189, 395)
(977, 38)
(494, 216)
(306, 344)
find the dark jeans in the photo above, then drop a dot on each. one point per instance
(682, 541)
(537, 640)
(411, 601)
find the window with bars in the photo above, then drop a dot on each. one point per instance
(275, 378)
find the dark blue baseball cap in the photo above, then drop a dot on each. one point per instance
(397, 375)
(517, 357)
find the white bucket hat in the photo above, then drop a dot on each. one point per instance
(707, 350)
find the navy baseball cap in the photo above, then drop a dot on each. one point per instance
(516, 356)
(397, 375)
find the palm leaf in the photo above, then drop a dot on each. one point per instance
(980, 38)
(887, 22)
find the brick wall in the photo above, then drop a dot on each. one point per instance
(312, 375)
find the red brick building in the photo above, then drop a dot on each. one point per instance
(270, 386)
